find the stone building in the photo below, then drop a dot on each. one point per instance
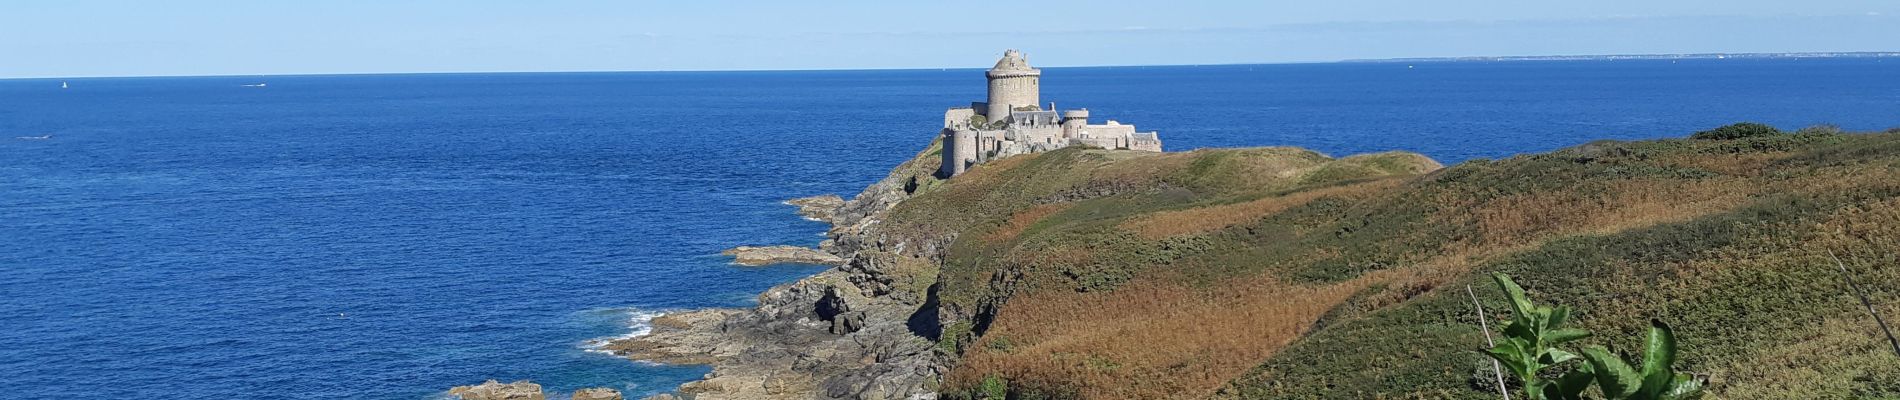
(1013, 122)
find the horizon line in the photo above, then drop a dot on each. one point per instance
(1551, 57)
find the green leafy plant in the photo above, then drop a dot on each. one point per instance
(1530, 345)
(1656, 380)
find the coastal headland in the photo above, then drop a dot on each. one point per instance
(1257, 273)
(1024, 254)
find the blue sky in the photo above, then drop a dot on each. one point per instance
(72, 38)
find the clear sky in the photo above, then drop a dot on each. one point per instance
(71, 38)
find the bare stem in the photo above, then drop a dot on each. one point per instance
(1864, 302)
(1486, 326)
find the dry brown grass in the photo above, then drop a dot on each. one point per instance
(1136, 168)
(1208, 219)
(979, 180)
(1022, 220)
(1840, 179)
(1622, 205)
(1824, 365)
(1826, 359)
(1163, 335)
(1740, 164)
(1153, 338)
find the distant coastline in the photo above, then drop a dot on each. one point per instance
(1686, 56)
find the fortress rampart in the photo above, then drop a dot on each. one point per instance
(1013, 122)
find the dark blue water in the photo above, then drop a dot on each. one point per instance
(390, 236)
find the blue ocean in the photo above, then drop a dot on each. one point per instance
(391, 236)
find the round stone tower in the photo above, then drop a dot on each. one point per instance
(959, 150)
(1073, 121)
(1013, 84)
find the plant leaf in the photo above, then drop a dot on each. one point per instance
(1555, 356)
(1520, 305)
(1659, 353)
(1685, 387)
(1558, 316)
(1564, 335)
(1570, 386)
(1513, 360)
(1614, 376)
(1542, 315)
(1518, 330)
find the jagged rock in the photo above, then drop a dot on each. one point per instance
(662, 396)
(768, 255)
(818, 208)
(847, 323)
(686, 338)
(597, 394)
(831, 304)
(494, 390)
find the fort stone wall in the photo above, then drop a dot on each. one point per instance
(1009, 92)
(1013, 122)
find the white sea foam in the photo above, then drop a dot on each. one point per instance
(639, 323)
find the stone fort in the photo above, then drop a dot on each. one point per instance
(1013, 122)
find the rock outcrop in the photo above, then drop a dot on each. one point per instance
(768, 255)
(820, 208)
(598, 394)
(494, 390)
(851, 332)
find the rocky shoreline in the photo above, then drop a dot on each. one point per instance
(821, 208)
(840, 334)
(768, 255)
(525, 390)
(844, 333)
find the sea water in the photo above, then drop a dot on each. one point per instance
(391, 236)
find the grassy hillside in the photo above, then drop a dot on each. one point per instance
(1282, 273)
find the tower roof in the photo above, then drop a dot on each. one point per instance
(1013, 64)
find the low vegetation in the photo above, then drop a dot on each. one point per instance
(1282, 273)
(1530, 347)
(1737, 131)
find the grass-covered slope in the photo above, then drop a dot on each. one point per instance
(1097, 224)
(1727, 240)
(1282, 273)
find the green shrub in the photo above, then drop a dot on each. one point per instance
(953, 335)
(1737, 131)
(1002, 344)
(994, 388)
(1820, 129)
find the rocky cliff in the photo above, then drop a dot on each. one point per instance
(859, 331)
(876, 326)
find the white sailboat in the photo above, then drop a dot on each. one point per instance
(62, 85)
